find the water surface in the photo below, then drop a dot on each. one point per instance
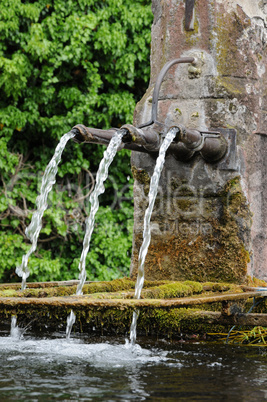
(105, 369)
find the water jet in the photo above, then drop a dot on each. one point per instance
(202, 230)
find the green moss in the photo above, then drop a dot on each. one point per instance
(222, 287)
(175, 289)
(8, 293)
(256, 282)
(228, 32)
(173, 322)
(142, 177)
(186, 204)
(184, 188)
(116, 288)
(192, 37)
(196, 287)
(210, 248)
(43, 292)
(115, 319)
(230, 85)
(109, 286)
(112, 295)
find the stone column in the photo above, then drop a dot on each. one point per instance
(209, 222)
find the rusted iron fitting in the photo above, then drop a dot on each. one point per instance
(147, 137)
(211, 144)
(94, 135)
(192, 139)
(133, 139)
(214, 148)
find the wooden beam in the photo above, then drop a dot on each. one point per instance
(83, 301)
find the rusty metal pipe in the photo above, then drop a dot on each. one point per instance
(158, 83)
(211, 144)
(103, 137)
(149, 137)
(95, 135)
(192, 139)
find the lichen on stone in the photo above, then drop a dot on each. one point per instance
(190, 252)
(142, 177)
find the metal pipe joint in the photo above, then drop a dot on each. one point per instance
(148, 136)
(211, 144)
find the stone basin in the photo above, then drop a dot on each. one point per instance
(167, 308)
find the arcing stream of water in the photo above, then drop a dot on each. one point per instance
(101, 176)
(33, 230)
(153, 189)
(48, 181)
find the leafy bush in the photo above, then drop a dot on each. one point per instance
(62, 63)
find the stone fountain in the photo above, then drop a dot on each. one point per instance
(210, 220)
(207, 74)
(208, 81)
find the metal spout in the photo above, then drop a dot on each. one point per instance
(211, 144)
(133, 139)
(192, 139)
(94, 135)
(147, 137)
(214, 148)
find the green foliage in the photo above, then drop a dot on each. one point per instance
(64, 63)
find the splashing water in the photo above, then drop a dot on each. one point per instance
(101, 176)
(33, 230)
(153, 189)
(70, 321)
(14, 330)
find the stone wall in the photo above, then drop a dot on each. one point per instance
(209, 220)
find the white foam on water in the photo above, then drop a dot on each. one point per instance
(98, 354)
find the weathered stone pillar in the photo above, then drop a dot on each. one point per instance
(210, 220)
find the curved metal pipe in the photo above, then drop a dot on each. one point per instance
(158, 83)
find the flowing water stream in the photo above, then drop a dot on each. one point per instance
(90, 369)
(101, 176)
(33, 230)
(153, 189)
